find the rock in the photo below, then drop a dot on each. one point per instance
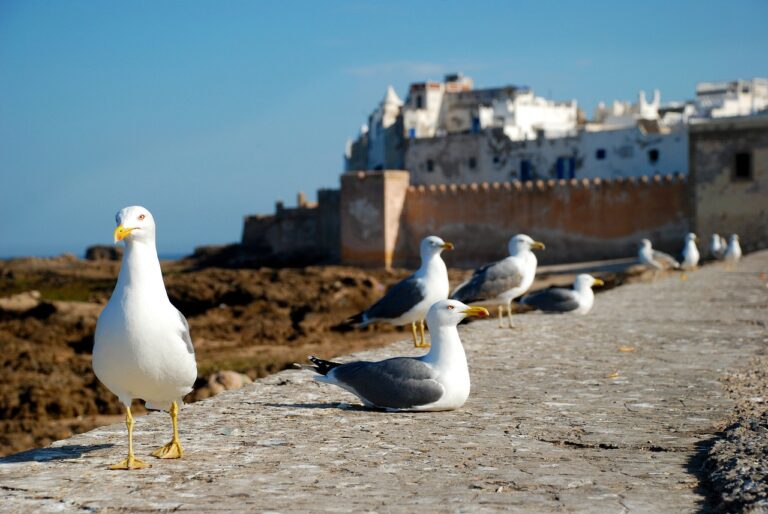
(104, 253)
(219, 382)
(20, 303)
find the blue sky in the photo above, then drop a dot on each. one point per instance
(206, 111)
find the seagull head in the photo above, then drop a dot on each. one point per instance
(523, 243)
(584, 281)
(134, 223)
(645, 244)
(734, 238)
(433, 245)
(691, 237)
(449, 313)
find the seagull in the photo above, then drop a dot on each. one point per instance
(655, 259)
(717, 247)
(502, 281)
(409, 300)
(578, 300)
(436, 381)
(733, 252)
(690, 252)
(142, 347)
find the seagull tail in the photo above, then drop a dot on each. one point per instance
(358, 319)
(321, 366)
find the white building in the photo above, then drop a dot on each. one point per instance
(731, 98)
(449, 132)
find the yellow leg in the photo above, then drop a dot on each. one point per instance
(501, 316)
(131, 462)
(172, 450)
(423, 342)
(509, 314)
(415, 337)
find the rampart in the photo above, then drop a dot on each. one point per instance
(305, 234)
(578, 219)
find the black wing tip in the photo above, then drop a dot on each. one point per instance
(356, 319)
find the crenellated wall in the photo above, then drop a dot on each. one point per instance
(578, 219)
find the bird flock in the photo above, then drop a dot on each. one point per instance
(143, 348)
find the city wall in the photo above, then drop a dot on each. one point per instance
(577, 219)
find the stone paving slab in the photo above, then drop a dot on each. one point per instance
(602, 413)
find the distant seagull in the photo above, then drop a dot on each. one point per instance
(690, 252)
(142, 348)
(578, 300)
(500, 282)
(655, 259)
(436, 381)
(409, 300)
(717, 247)
(733, 252)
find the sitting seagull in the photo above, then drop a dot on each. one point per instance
(655, 259)
(690, 252)
(558, 300)
(436, 381)
(502, 281)
(717, 247)
(409, 300)
(142, 348)
(733, 252)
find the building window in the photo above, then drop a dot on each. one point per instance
(525, 170)
(419, 102)
(653, 155)
(600, 154)
(742, 169)
(472, 163)
(430, 165)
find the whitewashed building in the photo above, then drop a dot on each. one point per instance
(731, 98)
(449, 132)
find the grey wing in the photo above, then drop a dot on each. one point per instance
(185, 336)
(666, 259)
(399, 383)
(555, 299)
(489, 281)
(400, 298)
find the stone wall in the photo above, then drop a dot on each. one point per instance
(306, 234)
(577, 220)
(370, 209)
(724, 202)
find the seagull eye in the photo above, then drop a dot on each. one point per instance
(141, 217)
(450, 307)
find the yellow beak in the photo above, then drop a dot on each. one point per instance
(447, 246)
(121, 233)
(598, 282)
(537, 245)
(474, 310)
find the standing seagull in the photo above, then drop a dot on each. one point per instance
(142, 347)
(690, 252)
(578, 300)
(501, 282)
(655, 259)
(409, 300)
(436, 381)
(717, 247)
(733, 252)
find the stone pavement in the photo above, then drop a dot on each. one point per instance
(603, 413)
